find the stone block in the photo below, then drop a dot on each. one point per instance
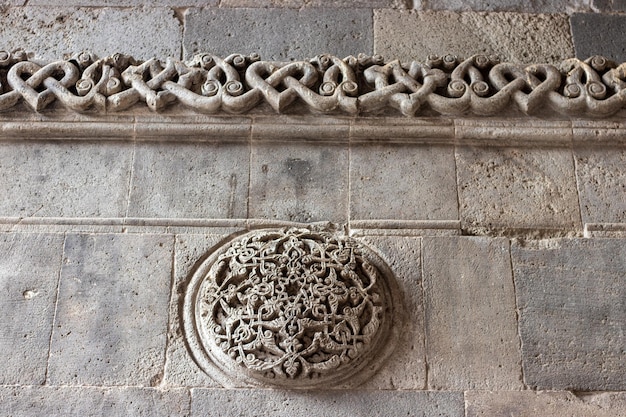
(599, 34)
(278, 33)
(370, 4)
(403, 182)
(249, 403)
(571, 296)
(515, 188)
(514, 37)
(92, 401)
(525, 6)
(601, 184)
(406, 368)
(29, 274)
(609, 5)
(471, 328)
(55, 31)
(190, 180)
(64, 179)
(111, 320)
(554, 404)
(180, 368)
(299, 182)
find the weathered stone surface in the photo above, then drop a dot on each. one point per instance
(406, 368)
(516, 188)
(599, 34)
(70, 179)
(278, 34)
(92, 401)
(180, 368)
(403, 182)
(571, 296)
(609, 5)
(54, 31)
(299, 182)
(554, 404)
(514, 37)
(190, 180)
(601, 184)
(111, 317)
(29, 274)
(471, 328)
(525, 6)
(376, 4)
(249, 403)
(125, 3)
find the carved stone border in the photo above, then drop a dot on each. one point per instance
(362, 85)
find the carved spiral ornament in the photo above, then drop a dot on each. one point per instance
(292, 307)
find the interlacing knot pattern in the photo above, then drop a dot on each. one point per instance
(292, 307)
(447, 85)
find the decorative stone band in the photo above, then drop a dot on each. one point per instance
(291, 307)
(446, 85)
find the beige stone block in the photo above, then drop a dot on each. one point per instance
(601, 184)
(299, 182)
(517, 188)
(143, 33)
(546, 403)
(471, 327)
(78, 179)
(571, 296)
(35, 401)
(406, 368)
(514, 37)
(111, 321)
(403, 182)
(180, 368)
(29, 274)
(190, 180)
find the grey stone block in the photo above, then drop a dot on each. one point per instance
(517, 188)
(190, 180)
(55, 31)
(375, 4)
(609, 5)
(29, 274)
(64, 179)
(471, 327)
(111, 319)
(554, 404)
(599, 34)
(299, 182)
(180, 368)
(406, 368)
(601, 184)
(571, 296)
(514, 37)
(249, 403)
(525, 6)
(125, 3)
(403, 182)
(278, 34)
(92, 401)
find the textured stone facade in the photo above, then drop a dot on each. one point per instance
(299, 235)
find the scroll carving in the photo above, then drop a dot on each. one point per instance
(445, 85)
(290, 307)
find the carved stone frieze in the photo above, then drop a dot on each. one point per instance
(447, 85)
(292, 307)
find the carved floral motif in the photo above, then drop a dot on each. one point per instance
(291, 307)
(478, 85)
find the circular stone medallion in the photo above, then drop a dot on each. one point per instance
(292, 307)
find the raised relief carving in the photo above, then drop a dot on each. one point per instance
(293, 308)
(478, 85)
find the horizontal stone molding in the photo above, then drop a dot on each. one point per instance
(363, 85)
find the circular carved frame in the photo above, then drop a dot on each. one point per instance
(292, 308)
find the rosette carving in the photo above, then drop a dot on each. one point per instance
(290, 307)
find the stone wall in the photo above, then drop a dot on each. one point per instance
(500, 238)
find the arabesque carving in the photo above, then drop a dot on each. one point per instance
(290, 307)
(446, 85)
